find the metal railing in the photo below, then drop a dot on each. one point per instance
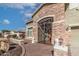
(45, 35)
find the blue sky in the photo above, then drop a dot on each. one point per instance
(14, 16)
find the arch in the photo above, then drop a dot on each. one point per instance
(45, 29)
(46, 17)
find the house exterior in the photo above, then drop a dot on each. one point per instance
(52, 24)
(48, 24)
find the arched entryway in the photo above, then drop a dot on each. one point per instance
(45, 30)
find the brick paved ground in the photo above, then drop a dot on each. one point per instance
(38, 49)
(35, 49)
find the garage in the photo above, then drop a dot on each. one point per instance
(75, 41)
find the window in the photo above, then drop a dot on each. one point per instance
(29, 32)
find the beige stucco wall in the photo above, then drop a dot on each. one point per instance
(72, 16)
(72, 19)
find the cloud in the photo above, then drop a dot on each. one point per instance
(25, 9)
(25, 12)
(6, 21)
(20, 5)
(28, 14)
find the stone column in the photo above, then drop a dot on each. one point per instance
(35, 32)
(60, 32)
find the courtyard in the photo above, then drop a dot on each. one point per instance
(52, 30)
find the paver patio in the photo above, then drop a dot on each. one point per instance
(37, 49)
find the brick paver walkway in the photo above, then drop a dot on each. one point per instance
(37, 49)
(32, 49)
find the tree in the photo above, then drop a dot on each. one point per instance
(5, 31)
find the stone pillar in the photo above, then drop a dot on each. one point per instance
(60, 32)
(26, 32)
(35, 32)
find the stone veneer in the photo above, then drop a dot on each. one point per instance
(57, 11)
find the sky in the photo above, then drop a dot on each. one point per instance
(13, 16)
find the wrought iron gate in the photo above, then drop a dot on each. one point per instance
(45, 30)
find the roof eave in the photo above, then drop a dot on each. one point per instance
(38, 9)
